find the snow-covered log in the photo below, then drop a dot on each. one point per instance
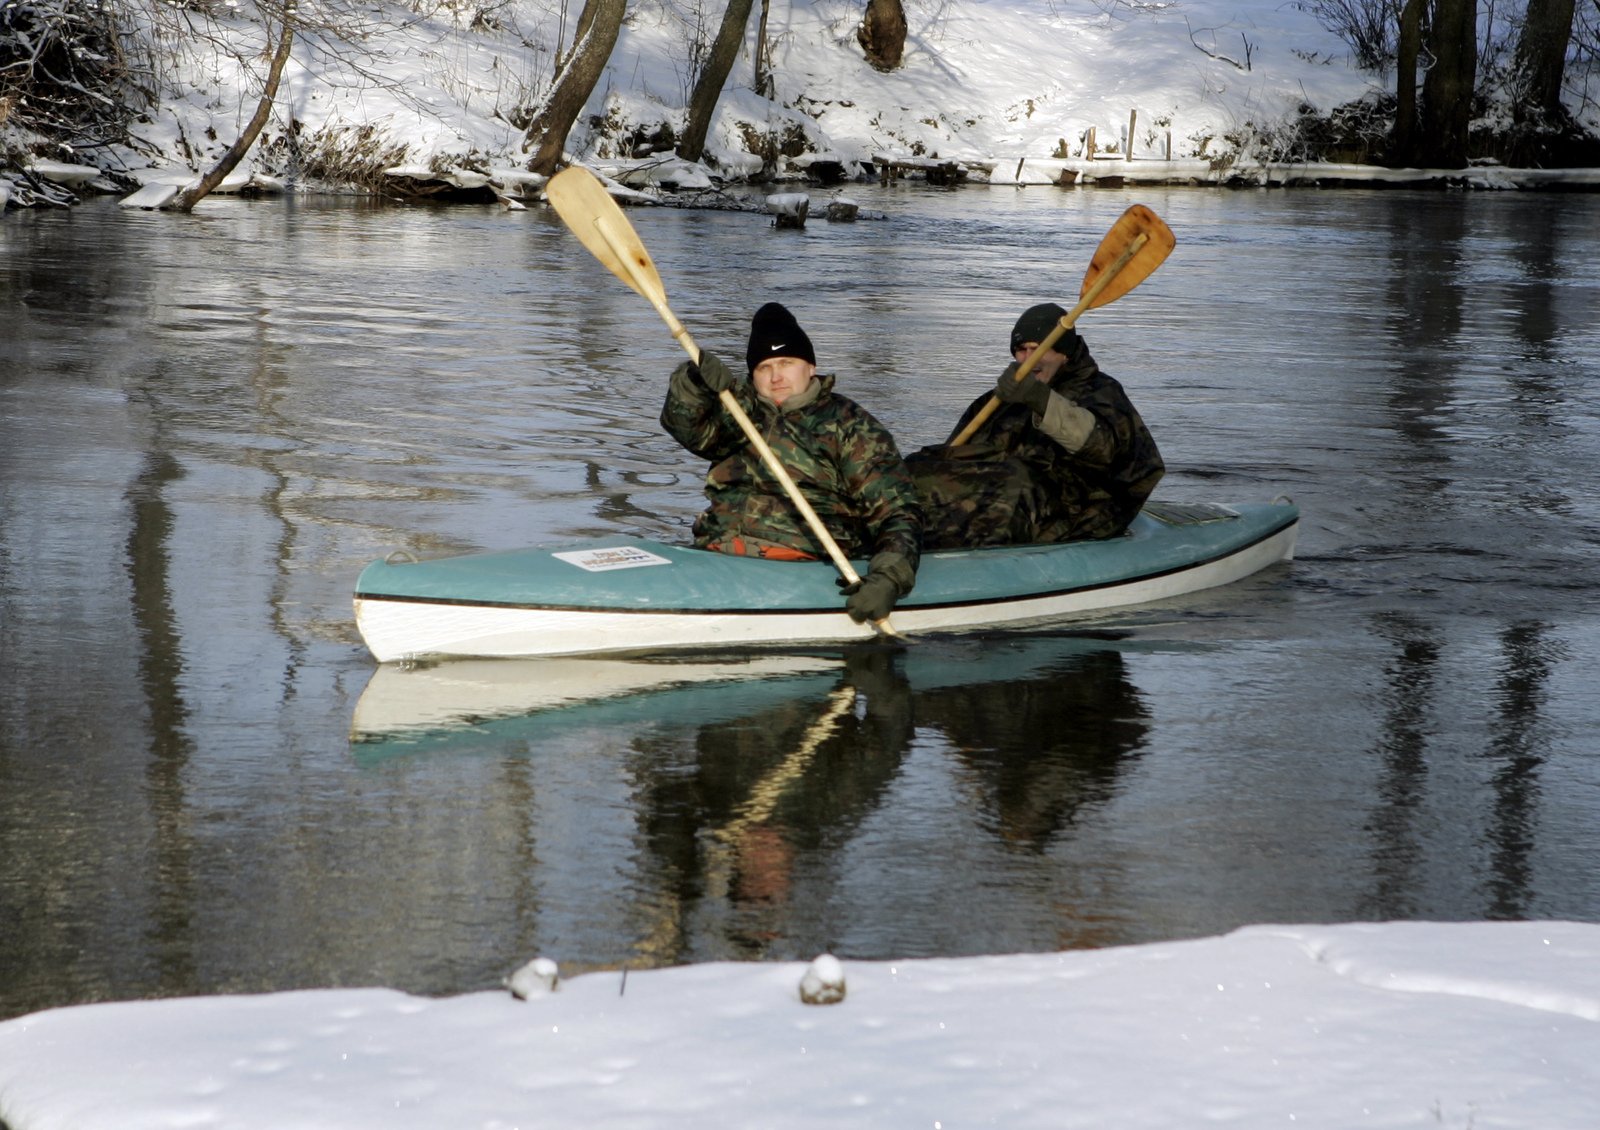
(62, 172)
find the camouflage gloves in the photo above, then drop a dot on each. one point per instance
(1030, 391)
(872, 598)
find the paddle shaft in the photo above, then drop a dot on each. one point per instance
(658, 299)
(1065, 324)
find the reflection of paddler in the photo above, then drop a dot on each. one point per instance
(769, 787)
(761, 854)
(1044, 748)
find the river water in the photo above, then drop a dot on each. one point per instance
(208, 424)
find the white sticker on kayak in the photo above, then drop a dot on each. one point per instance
(620, 557)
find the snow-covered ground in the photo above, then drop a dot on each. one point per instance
(1466, 1025)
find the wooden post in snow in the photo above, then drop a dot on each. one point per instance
(1133, 118)
(1088, 144)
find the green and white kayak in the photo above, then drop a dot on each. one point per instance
(627, 594)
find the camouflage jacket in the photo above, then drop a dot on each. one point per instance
(1095, 491)
(845, 463)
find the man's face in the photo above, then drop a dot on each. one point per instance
(1048, 366)
(778, 378)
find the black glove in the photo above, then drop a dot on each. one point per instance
(1029, 390)
(711, 373)
(872, 598)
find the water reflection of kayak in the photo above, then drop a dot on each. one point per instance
(410, 703)
(485, 703)
(633, 595)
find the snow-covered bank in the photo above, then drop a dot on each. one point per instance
(1458, 1025)
(982, 80)
(1212, 90)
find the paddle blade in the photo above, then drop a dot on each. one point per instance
(1158, 244)
(587, 209)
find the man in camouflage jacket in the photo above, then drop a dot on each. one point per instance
(844, 462)
(1065, 458)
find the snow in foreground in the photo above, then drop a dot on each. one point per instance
(1475, 1025)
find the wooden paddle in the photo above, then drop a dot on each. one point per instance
(589, 212)
(1136, 245)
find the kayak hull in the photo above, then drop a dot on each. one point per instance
(635, 595)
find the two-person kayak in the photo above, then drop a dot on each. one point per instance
(627, 594)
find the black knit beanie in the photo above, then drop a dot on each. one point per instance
(1036, 324)
(775, 333)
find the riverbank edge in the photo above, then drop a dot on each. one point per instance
(645, 180)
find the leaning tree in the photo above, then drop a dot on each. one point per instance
(596, 35)
(708, 88)
(185, 200)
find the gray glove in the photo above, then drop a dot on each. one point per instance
(711, 373)
(872, 598)
(1030, 390)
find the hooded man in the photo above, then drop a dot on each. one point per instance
(1065, 458)
(844, 462)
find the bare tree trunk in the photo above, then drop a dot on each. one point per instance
(561, 35)
(189, 197)
(1450, 83)
(585, 22)
(692, 145)
(764, 85)
(546, 137)
(1408, 48)
(1541, 58)
(882, 34)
